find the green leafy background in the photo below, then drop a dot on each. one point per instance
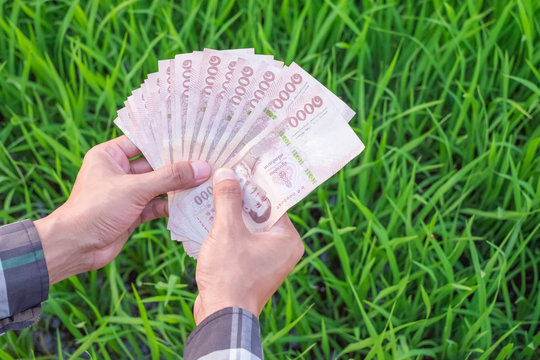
(426, 246)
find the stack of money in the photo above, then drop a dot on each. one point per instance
(276, 126)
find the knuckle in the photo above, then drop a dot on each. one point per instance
(299, 250)
(90, 154)
(181, 172)
(155, 210)
(96, 153)
(228, 190)
(132, 169)
(164, 209)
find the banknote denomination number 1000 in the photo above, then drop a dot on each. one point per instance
(212, 71)
(203, 195)
(290, 87)
(308, 109)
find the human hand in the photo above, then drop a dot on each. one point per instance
(238, 268)
(111, 197)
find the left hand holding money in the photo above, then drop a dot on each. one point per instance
(111, 197)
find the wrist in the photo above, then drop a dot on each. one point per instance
(61, 248)
(208, 308)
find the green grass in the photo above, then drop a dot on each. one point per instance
(425, 246)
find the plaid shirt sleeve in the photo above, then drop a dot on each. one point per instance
(24, 279)
(230, 333)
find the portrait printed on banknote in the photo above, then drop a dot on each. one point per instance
(256, 204)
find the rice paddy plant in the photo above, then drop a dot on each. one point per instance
(424, 247)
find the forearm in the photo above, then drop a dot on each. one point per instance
(24, 279)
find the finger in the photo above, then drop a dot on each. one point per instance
(197, 310)
(284, 224)
(119, 149)
(155, 209)
(227, 197)
(292, 240)
(139, 166)
(177, 176)
(125, 145)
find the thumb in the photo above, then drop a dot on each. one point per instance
(177, 176)
(227, 197)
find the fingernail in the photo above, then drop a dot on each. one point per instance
(224, 174)
(201, 169)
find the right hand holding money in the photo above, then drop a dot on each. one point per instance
(237, 268)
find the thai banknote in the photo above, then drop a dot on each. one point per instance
(181, 76)
(224, 107)
(137, 113)
(242, 75)
(195, 101)
(152, 105)
(189, 97)
(201, 61)
(165, 92)
(290, 85)
(214, 75)
(310, 144)
(205, 80)
(131, 129)
(245, 94)
(276, 126)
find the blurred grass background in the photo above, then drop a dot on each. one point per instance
(424, 247)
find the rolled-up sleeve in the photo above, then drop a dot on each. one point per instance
(231, 333)
(24, 279)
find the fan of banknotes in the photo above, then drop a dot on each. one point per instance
(276, 126)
